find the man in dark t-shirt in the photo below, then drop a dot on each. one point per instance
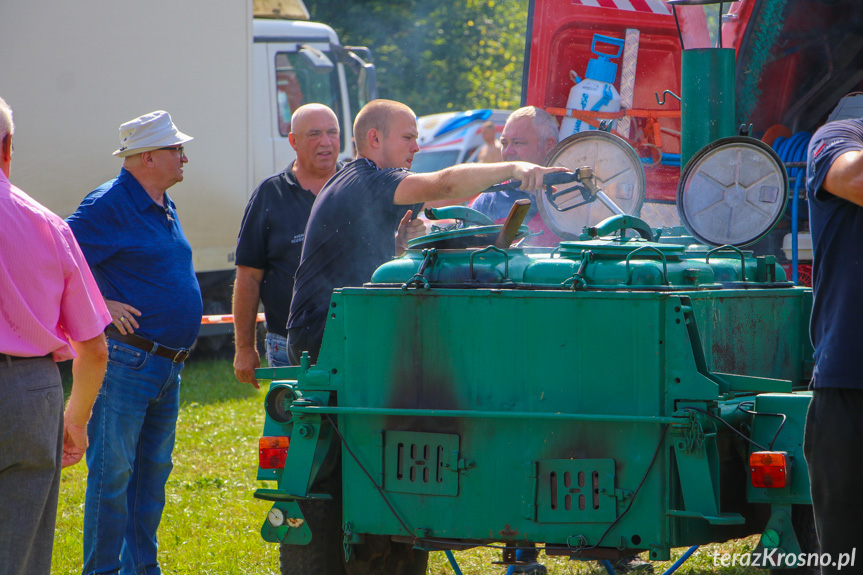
(271, 237)
(352, 227)
(834, 425)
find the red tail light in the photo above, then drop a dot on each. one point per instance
(768, 469)
(273, 451)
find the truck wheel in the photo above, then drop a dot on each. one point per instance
(803, 521)
(380, 555)
(324, 555)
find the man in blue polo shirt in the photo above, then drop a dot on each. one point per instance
(834, 426)
(130, 235)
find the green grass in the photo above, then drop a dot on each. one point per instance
(211, 521)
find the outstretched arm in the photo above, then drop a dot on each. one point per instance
(466, 180)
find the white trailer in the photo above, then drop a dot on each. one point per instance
(74, 71)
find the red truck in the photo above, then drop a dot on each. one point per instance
(793, 61)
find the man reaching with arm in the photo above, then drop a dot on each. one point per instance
(351, 226)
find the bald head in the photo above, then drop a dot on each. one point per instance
(377, 115)
(308, 113)
(315, 137)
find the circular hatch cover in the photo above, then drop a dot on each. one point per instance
(618, 172)
(733, 191)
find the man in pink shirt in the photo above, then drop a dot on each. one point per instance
(50, 310)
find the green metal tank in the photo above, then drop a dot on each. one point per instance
(599, 399)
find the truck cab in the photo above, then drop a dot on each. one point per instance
(296, 63)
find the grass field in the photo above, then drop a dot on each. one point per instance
(211, 522)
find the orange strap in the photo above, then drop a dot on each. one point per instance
(652, 128)
(635, 113)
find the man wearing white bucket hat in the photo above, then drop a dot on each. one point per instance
(131, 236)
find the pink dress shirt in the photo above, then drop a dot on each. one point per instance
(47, 292)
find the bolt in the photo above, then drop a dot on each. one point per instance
(770, 539)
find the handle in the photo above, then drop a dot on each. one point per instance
(548, 180)
(607, 40)
(729, 248)
(516, 216)
(642, 249)
(620, 223)
(490, 249)
(467, 215)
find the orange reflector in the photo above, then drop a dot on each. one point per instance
(273, 452)
(768, 469)
(274, 442)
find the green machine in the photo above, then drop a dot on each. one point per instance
(632, 390)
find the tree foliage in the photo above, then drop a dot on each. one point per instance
(437, 55)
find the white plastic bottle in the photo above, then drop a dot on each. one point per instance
(596, 93)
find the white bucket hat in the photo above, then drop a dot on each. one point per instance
(149, 132)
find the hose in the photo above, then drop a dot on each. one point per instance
(682, 560)
(793, 151)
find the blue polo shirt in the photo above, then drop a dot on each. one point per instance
(837, 265)
(140, 256)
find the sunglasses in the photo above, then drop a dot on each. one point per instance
(176, 148)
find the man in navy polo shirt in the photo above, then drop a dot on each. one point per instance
(271, 238)
(834, 425)
(130, 235)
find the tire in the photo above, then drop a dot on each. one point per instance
(324, 555)
(380, 555)
(803, 522)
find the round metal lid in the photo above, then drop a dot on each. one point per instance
(618, 172)
(733, 191)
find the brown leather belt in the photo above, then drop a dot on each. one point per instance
(175, 355)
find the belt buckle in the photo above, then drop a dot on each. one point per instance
(181, 356)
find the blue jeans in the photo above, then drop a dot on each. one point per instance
(131, 435)
(277, 350)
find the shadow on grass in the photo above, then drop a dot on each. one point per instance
(206, 379)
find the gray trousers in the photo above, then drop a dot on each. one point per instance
(31, 446)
